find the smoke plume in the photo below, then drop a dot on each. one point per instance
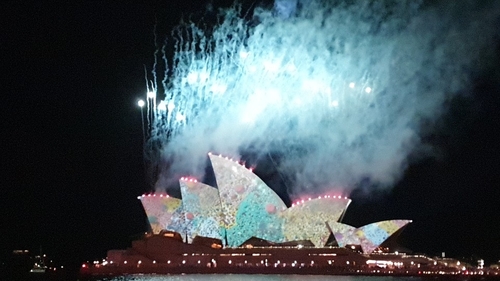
(336, 91)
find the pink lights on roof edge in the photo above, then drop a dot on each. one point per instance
(231, 159)
(299, 202)
(153, 195)
(189, 179)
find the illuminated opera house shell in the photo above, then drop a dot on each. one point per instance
(243, 207)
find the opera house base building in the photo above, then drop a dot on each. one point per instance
(242, 226)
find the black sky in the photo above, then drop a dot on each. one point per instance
(72, 141)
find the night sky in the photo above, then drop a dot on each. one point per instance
(72, 164)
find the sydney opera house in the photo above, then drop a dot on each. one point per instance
(243, 226)
(244, 207)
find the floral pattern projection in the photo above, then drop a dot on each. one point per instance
(243, 207)
(202, 210)
(370, 236)
(250, 208)
(307, 219)
(164, 212)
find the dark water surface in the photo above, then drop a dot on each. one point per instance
(243, 277)
(231, 277)
(258, 277)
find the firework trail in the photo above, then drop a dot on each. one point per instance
(338, 89)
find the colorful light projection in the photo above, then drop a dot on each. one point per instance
(243, 207)
(202, 209)
(164, 213)
(307, 220)
(250, 208)
(369, 237)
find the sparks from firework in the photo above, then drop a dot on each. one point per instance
(332, 90)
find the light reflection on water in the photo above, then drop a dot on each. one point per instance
(257, 277)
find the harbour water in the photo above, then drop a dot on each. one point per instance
(233, 277)
(236, 277)
(257, 277)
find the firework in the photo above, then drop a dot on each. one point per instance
(339, 91)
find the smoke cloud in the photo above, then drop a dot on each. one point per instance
(337, 91)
